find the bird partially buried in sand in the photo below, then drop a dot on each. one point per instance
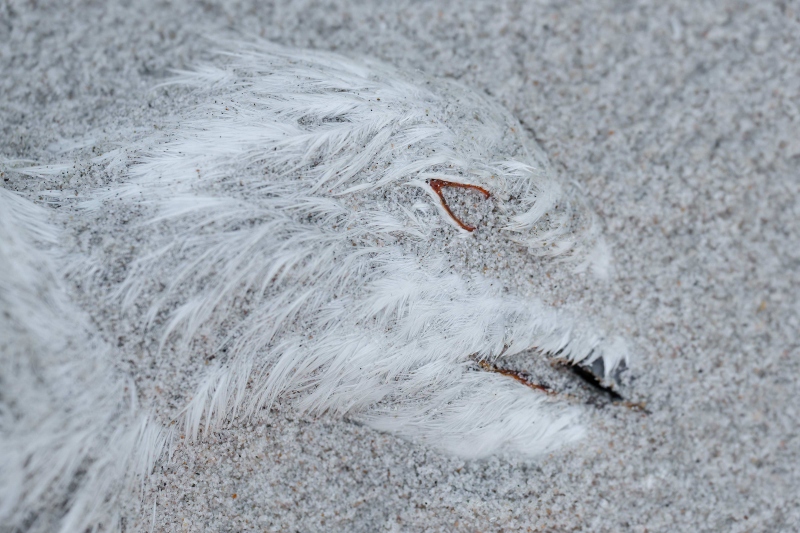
(335, 233)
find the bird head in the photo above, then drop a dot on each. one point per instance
(363, 241)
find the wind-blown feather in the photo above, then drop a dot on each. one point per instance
(73, 441)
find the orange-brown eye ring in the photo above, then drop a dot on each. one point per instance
(438, 185)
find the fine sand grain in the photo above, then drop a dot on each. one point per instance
(681, 123)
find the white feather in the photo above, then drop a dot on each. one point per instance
(72, 441)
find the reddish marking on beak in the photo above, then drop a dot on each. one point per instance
(518, 376)
(438, 185)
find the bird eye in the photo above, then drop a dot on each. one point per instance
(462, 202)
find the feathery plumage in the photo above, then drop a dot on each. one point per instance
(283, 236)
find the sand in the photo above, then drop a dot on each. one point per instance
(679, 121)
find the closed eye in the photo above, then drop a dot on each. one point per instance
(438, 185)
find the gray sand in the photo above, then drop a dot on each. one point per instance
(680, 121)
